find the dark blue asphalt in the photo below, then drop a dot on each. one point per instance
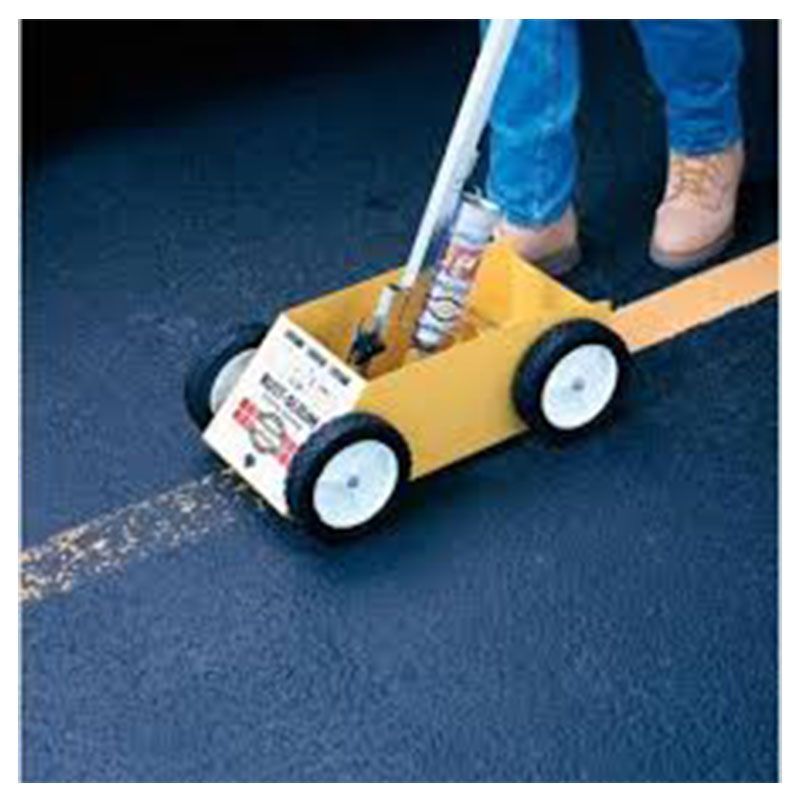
(603, 612)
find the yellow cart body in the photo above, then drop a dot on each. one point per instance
(447, 405)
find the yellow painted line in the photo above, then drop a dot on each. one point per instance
(212, 504)
(181, 515)
(699, 299)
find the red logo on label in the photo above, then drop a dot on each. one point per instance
(267, 431)
(287, 451)
(246, 414)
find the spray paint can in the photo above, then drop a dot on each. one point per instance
(456, 271)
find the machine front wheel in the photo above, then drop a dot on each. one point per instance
(571, 378)
(214, 374)
(347, 475)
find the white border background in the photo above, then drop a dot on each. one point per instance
(9, 319)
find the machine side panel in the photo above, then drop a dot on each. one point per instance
(455, 403)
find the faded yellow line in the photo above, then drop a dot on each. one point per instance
(181, 515)
(699, 299)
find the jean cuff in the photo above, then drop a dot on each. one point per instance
(698, 128)
(533, 214)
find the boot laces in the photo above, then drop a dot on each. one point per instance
(701, 177)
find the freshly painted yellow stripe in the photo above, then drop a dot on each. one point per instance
(699, 299)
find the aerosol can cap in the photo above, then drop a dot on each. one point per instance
(477, 217)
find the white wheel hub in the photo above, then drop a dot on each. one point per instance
(580, 386)
(228, 377)
(356, 484)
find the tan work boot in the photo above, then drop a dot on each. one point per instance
(554, 248)
(695, 220)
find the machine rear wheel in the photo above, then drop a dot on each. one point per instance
(347, 475)
(571, 379)
(214, 374)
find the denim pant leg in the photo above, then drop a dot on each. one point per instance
(695, 64)
(532, 159)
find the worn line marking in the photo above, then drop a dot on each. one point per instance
(107, 543)
(699, 299)
(210, 505)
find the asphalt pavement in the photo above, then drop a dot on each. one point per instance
(604, 611)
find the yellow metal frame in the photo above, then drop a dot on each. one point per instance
(457, 401)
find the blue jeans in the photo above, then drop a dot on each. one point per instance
(533, 157)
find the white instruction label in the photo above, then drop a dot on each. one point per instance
(292, 386)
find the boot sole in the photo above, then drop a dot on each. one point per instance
(698, 258)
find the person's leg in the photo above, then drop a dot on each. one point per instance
(533, 159)
(695, 64)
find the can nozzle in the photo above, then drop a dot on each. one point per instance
(367, 343)
(369, 339)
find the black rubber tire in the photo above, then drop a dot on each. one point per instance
(206, 367)
(319, 449)
(541, 358)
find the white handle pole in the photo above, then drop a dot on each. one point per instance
(462, 149)
(457, 163)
